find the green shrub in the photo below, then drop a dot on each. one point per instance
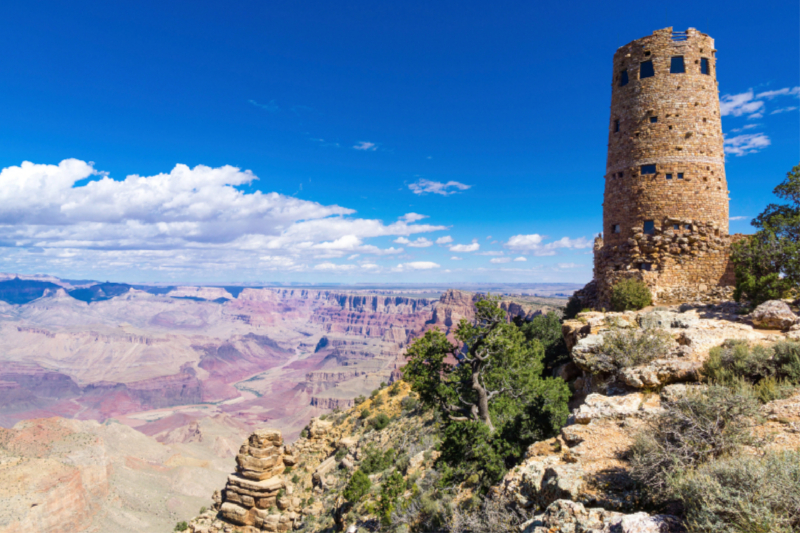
(203, 509)
(630, 295)
(341, 453)
(377, 461)
(625, 347)
(391, 489)
(574, 306)
(743, 494)
(394, 390)
(380, 421)
(304, 433)
(378, 401)
(374, 393)
(409, 403)
(364, 414)
(357, 487)
(773, 371)
(547, 330)
(288, 470)
(181, 526)
(359, 399)
(295, 479)
(700, 426)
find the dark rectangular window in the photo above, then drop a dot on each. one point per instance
(676, 65)
(616, 126)
(653, 120)
(649, 227)
(646, 70)
(648, 169)
(676, 226)
(688, 226)
(616, 228)
(623, 78)
(704, 68)
(645, 266)
(680, 175)
(669, 176)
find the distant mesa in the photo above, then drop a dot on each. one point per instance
(21, 291)
(100, 292)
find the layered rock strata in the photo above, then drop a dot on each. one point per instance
(256, 496)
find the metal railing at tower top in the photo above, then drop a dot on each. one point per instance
(679, 36)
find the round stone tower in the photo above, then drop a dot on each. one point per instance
(665, 209)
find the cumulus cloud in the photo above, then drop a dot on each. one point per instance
(333, 267)
(421, 242)
(534, 243)
(500, 260)
(520, 258)
(365, 146)
(465, 247)
(412, 217)
(416, 265)
(456, 258)
(186, 220)
(447, 239)
(748, 143)
(424, 186)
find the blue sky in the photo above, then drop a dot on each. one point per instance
(490, 119)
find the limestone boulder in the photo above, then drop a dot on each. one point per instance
(773, 314)
(564, 516)
(540, 481)
(598, 407)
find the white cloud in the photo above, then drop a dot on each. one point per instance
(456, 258)
(533, 244)
(739, 218)
(568, 265)
(491, 252)
(421, 242)
(187, 220)
(500, 260)
(416, 265)
(333, 267)
(787, 91)
(412, 217)
(365, 146)
(465, 247)
(783, 110)
(748, 103)
(520, 258)
(746, 144)
(424, 186)
(444, 240)
(369, 266)
(739, 104)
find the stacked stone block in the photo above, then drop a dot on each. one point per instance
(666, 169)
(255, 496)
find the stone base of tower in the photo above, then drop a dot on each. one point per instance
(688, 262)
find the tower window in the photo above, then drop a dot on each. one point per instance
(676, 226)
(646, 266)
(653, 120)
(676, 65)
(616, 126)
(669, 176)
(680, 175)
(704, 67)
(623, 78)
(649, 227)
(648, 169)
(615, 228)
(646, 70)
(688, 227)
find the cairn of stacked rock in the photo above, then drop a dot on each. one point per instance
(256, 496)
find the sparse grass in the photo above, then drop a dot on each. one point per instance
(626, 347)
(696, 428)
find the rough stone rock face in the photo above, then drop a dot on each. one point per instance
(565, 516)
(253, 495)
(773, 314)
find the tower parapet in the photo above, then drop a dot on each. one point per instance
(665, 207)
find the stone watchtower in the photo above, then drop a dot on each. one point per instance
(665, 209)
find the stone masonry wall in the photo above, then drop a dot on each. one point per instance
(672, 121)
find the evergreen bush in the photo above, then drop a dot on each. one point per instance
(630, 295)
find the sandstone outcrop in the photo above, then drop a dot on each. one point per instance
(774, 314)
(256, 496)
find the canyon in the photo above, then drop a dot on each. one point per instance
(127, 390)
